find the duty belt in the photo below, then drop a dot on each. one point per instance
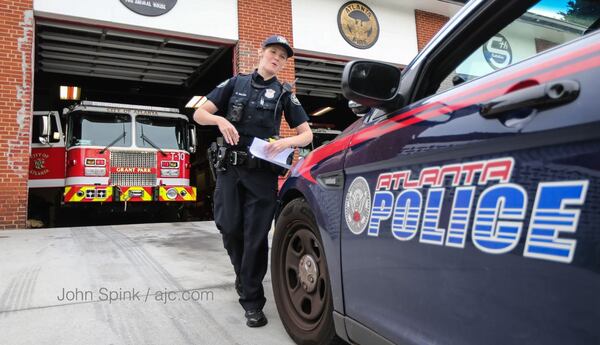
(243, 158)
(237, 157)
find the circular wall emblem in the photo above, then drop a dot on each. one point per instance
(358, 24)
(151, 8)
(497, 52)
(357, 206)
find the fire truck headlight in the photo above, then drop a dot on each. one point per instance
(172, 193)
(169, 172)
(95, 171)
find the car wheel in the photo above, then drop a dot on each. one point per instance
(300, 277)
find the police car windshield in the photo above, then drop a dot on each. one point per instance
(165, 133)
(99, 129)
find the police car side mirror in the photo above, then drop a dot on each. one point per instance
(372, 84)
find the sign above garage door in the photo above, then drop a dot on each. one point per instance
(358, 25)
(206, 20)
(151, 8)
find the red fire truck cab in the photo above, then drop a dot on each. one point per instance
(112, 153)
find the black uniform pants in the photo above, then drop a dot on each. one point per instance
(244, 203)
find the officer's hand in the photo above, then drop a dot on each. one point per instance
(229, 132)
(273, 148)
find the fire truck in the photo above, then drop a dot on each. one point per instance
(110, 154)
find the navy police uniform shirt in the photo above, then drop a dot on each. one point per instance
(259, 98)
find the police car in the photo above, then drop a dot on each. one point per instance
(465, 207)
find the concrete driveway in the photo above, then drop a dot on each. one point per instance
(127, 284)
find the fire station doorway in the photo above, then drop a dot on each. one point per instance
(129, 67)
(318, 88)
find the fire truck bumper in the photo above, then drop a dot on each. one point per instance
(94, 193)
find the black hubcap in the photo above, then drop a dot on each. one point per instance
(306, 284)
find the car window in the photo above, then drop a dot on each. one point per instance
(547, 24)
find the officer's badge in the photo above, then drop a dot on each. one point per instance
(269, 93)
(223, 83)
(295, 99)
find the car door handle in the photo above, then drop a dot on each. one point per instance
(540, 96)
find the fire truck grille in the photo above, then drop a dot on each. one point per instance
(133, 159)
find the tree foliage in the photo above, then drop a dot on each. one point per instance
(582, 12)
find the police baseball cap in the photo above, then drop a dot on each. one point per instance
(280, 40)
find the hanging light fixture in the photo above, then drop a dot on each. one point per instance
(70, 93)
(321, 111)
(196, 102)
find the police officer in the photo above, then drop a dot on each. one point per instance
(246, 191)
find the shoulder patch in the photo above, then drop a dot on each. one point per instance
(294, 99)
(223, 83)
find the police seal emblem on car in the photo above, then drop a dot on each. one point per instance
(357, 206)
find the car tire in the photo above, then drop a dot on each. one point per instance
(300, 277)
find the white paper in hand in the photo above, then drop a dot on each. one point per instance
(258, 150)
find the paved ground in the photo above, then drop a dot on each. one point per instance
(56, 286)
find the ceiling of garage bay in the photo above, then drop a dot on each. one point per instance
(110, 53)
(73, 49)
(318, 77)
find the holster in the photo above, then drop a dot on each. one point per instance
(211, 153)
(221, 163)
(217, 159)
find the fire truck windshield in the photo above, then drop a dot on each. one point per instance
(99, 129)
(160, 132)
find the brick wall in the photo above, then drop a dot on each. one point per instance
(428, 24)
(256, 22)
(16, 84)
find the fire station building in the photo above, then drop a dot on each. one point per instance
(162, 53)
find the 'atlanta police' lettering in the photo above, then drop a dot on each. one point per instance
(498, 214)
